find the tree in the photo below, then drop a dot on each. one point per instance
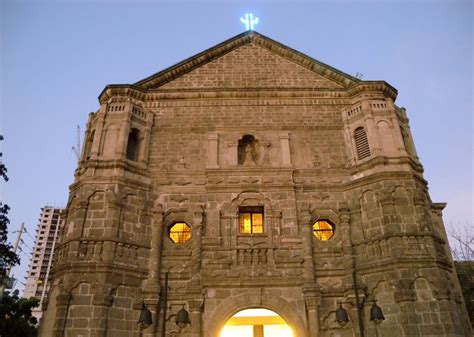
(15, 313)
(8, 258)
(17, 320)
(462, 248)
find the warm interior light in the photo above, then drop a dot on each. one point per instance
(252, 322)
(180, 232)
(323, 230)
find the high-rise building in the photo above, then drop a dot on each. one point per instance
(38, 278)
(252, 190)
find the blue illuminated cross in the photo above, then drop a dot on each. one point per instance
(249, 21)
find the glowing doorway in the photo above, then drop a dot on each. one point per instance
(256, 323)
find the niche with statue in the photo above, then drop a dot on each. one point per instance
(248, 151)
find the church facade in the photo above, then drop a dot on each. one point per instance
(252, 176)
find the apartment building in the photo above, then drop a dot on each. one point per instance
(37, 284)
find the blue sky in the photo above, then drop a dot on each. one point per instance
(57, 56)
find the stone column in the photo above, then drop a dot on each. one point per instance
(121, 150)
(307, 237)
(312, 298)
(232, 154)
(80, 218)
(371, 129)
(145, 142)
(350, 146)
(195, 310)
(213, 160)
(397, 133)
(99, 128)
(285, 149)
(152, 283)
(151, 286)
(198, 213)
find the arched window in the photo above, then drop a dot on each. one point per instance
(323, 230)
(361, 143)
(133, 145)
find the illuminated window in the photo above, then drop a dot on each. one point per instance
(180, 232)
(251, 220)
(323, 230)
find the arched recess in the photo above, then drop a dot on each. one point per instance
(229, 307)
(69, 222)
(130, 219)
(405, 209)
(49, 312)
(371, 214)
(384, 294)
(109, 141)
(95, 213)
(387, 140)
(78, 308)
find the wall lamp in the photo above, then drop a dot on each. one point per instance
(376, 316)
(145, 318)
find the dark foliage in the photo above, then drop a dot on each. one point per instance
(15, 312)
(7, 257)
(465, 271)
(15, 316)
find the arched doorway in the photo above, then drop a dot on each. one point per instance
(256, 322)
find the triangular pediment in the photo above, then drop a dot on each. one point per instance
(249, 60)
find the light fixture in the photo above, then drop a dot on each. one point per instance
(182, 318)
(341, 316)
(144, 321)
(376, 314)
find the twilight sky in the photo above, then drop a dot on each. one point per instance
(57, 56)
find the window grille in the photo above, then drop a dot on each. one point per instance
(362, 143)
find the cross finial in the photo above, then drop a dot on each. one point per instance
(249, 21)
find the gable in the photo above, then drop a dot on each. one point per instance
(251, 66)
(249, 60)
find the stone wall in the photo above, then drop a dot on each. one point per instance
(251, 123)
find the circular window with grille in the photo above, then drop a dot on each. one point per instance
(323, 230)
(180, 232)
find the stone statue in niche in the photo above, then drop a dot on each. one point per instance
(248, 151)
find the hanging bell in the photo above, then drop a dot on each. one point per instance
(182, 318)
(341, 316)
(145, 318)
(376, 313)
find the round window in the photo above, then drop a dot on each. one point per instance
(180, 232)
(323, 230)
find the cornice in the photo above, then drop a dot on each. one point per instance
(305, 96)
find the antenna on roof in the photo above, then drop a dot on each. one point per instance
(77, 148)
(359, 75)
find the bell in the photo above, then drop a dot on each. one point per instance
(341, 316)
(182, 319)
(376, 313)
(145, 318)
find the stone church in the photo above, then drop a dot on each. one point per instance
(252, 176)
